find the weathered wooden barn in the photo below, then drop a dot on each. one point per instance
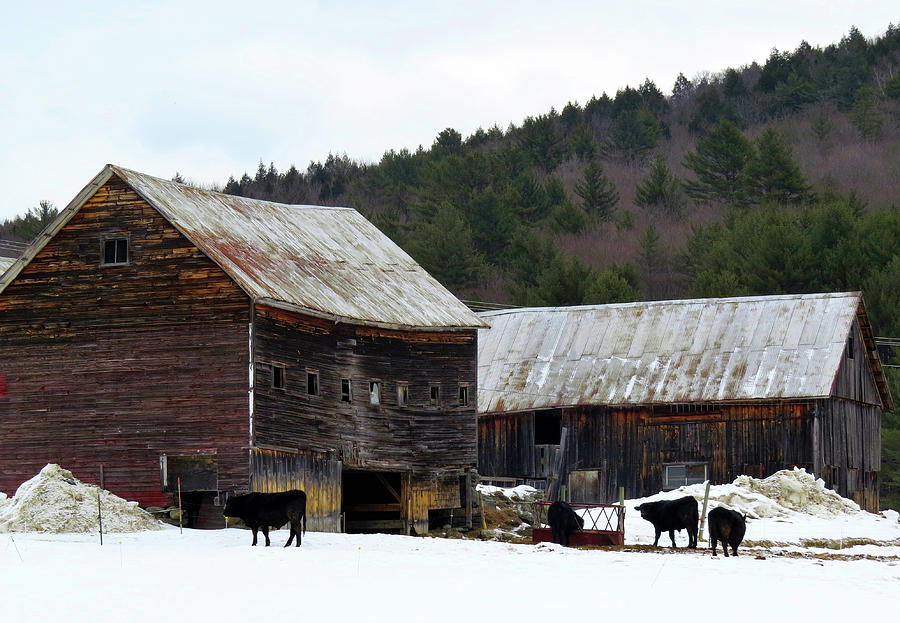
(661, 394)
(157, 332)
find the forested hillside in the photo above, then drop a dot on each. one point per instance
(761, 179)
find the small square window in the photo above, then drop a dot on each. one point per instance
(115, 251)
(434, 395)
(850, 347)
(312, 383)
(402, 394)
(375, 392)
(278, 377)
(463, 395)
(346, 391)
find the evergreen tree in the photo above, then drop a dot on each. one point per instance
(598, 193)
(719, 161)
(633, 134)
(772, 174)
(660, 190)
(617, 284)
(35, 220)
(650, 254)
(821, 128)
(443, 246)
(866, 116)
(539, 138)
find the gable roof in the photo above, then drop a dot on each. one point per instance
(701, 350)
(322, 261)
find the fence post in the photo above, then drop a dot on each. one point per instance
(703, 516)
(620, 527)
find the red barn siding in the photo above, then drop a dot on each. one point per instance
(116, 365)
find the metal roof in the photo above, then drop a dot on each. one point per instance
(6, 262)
(725, 349)
(323, 261)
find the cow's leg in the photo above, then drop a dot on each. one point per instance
(734, 550)
(265, 530)
(672, 536)
(692, 538)
(298, 529)
(656, 540)
(254, 535)
(291, 537)
(712, 541)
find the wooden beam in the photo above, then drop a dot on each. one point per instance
(388, 486)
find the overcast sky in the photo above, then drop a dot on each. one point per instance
(209, 89)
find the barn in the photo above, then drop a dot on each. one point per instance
(158, 334)
(654, 395)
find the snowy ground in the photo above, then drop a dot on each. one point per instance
(808, 555)
(216, 575)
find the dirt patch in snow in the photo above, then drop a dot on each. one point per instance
(55, 501)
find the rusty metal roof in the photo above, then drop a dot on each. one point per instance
(324, 261)
(701, 350)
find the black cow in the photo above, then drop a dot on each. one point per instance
(727, 526)
(262, 510)
(672, 515)
(563, 522)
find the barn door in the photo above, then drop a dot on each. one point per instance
(675, 445)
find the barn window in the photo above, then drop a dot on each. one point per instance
(434, 395)
(278, 377)
(547, 428)
(402, 393)
(346, 390)
(375, 392)
(850, 347)
(463, 395)
(680, 474)
(115, 251)
(312, 383)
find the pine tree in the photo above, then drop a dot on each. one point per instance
(772, 174)
(660, 189)
(444, 247)
(598, 193)
(866, 116)
(719, 162)
(649, 255)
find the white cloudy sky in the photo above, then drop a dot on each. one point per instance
(210, 88)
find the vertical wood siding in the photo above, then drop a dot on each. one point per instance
(316, 474)
(119, 364)
(629, 446)
(854, 380)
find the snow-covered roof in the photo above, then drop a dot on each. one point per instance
(701, 350)
(323, 261)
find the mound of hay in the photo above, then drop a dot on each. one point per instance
(55, 501)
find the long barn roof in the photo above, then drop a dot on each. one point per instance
(725, 349)
(324, 261)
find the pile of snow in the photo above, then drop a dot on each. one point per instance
(783, 494)
(522, 492)
(56, 501)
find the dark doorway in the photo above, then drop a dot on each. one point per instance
(371, 501)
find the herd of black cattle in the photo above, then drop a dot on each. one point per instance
(261, 511)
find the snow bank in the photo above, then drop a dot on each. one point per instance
(56, 501)
(783, 494)
(522, 492)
